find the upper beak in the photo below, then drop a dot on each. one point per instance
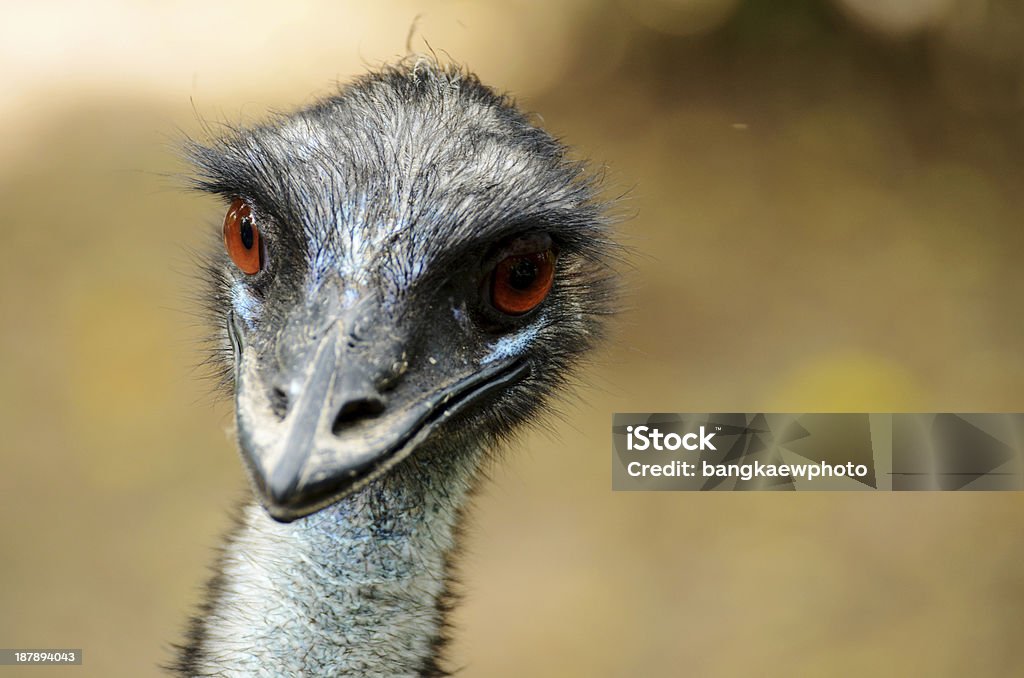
(339, 432)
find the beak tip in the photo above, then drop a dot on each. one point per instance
(281, 491)
(283, 495)
(286, 499)
(282, 514)
(277, 489)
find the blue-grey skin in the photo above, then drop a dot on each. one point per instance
(372, 375)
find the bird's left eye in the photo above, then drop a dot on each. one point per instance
(521, 281)
(242, 237)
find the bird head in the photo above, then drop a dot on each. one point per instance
(409, 265)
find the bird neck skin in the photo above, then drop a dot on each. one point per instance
(357, 589)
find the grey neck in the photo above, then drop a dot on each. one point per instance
(354, 590)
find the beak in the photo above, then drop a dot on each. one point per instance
(339, 433)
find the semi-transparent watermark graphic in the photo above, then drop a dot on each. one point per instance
(754, 451)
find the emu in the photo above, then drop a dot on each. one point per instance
(409, 270)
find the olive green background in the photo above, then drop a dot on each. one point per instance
(824, 204)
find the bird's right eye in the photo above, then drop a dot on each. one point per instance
(242, 237)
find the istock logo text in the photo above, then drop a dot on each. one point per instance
(651, 438)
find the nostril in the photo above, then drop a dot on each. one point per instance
(356, 409)
(279, 402)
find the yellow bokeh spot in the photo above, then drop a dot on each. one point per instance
(848, 381)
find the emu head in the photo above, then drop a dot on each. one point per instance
(409, 267)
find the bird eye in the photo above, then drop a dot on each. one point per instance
(242, 237)
(522, 280)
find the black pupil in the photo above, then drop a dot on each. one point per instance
(522, 274)
(247, 234)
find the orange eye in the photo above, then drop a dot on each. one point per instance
(242, 237)
(521, 281)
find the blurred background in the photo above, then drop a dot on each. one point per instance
(825, 204)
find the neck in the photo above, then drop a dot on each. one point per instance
(357, 589)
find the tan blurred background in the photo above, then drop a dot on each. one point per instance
(827, 206)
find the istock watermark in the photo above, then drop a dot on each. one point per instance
(833, 451)
(651, 438)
